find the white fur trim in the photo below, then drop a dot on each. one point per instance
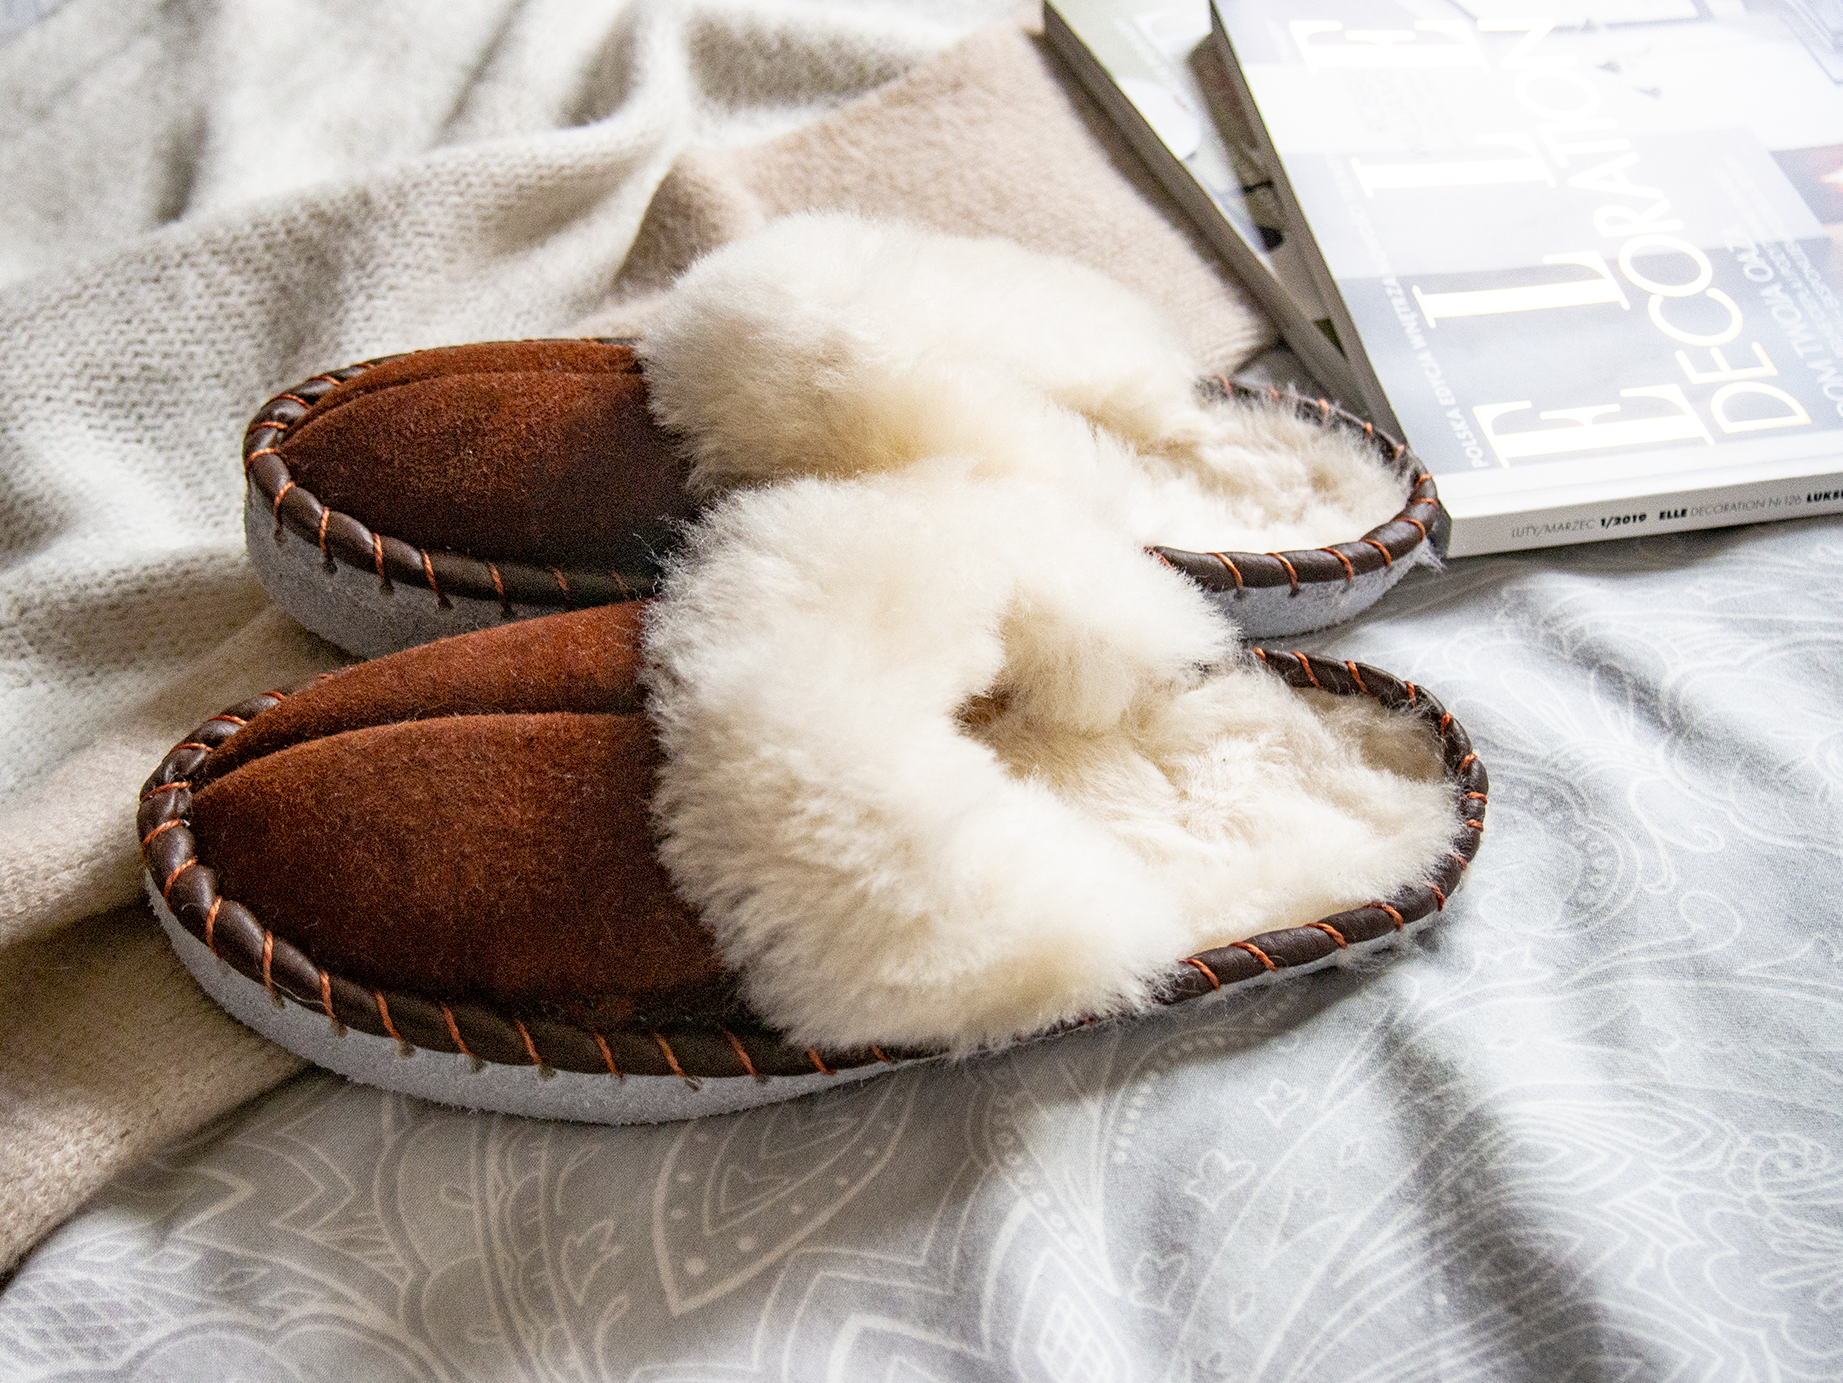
(950, 760)
(829, 345)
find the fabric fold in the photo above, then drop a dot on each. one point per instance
(198, 215)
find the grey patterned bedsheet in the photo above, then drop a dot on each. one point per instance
(1589, 1126)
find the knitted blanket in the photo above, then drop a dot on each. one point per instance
(204, 203)
(1586, 1125)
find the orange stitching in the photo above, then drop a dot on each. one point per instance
(1387, 561)
(1422, 478)
(1357, 677)
(454, 1031)
(326, 517)
(428, 570)
(824, 1070)
(1208, 973)
(1234, 571)
(279, 695)
(1306, 664)
(607, 1055)
(184, 865)
(1291, 575)
(1260, 653)
(499, 586)
(736, 1046)
(881, 1055)
(384, 1013)
(1476, 797)
(530, 1046)
(1463, 861)
(326, 995)
(1410, 687)
(1256, 952)
(190, 744)
(1445, 721)
(1469, 758)
(268, 961)
(1369, 429)
(250, 460)
(280, 495)
(621, 586)
(1403, 518)
(1332, 931)
(1438, 896)
(1324, 408)
(1475, 825)
(292, 398)
(562, 585)
(163, 826)
(1394, 916)
(1400, 447)
(228, 720)
(211, 922)
(671, 1058)
(1350, 572)
(171, 787)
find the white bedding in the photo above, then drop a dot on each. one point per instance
(1587, 1126)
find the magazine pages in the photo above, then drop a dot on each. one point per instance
(1592, 254)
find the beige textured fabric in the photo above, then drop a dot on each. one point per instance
(484, 181)
(110, 1053)
(991, 138)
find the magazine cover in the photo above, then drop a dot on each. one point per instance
(1592, 254)
(1153, 69)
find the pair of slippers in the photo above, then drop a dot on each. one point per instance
(936, 735)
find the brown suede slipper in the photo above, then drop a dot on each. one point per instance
(435, 873)
(418, 496)
(415, 496)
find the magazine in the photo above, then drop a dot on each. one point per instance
(1585, 258)
(1152, 68)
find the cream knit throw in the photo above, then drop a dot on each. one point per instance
(201, 205)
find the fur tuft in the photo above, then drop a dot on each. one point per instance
(833, 346)
(949, 760)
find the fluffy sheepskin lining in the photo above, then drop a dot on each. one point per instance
(949, 760)
(829, 345)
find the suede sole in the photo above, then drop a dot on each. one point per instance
(543, 1092)
(449, 1078)
(374, 593)
(351, 607)
(1279, 594)
(274, 987)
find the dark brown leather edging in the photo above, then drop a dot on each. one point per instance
(342, 538)
(231, 932)
(1422, 519)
